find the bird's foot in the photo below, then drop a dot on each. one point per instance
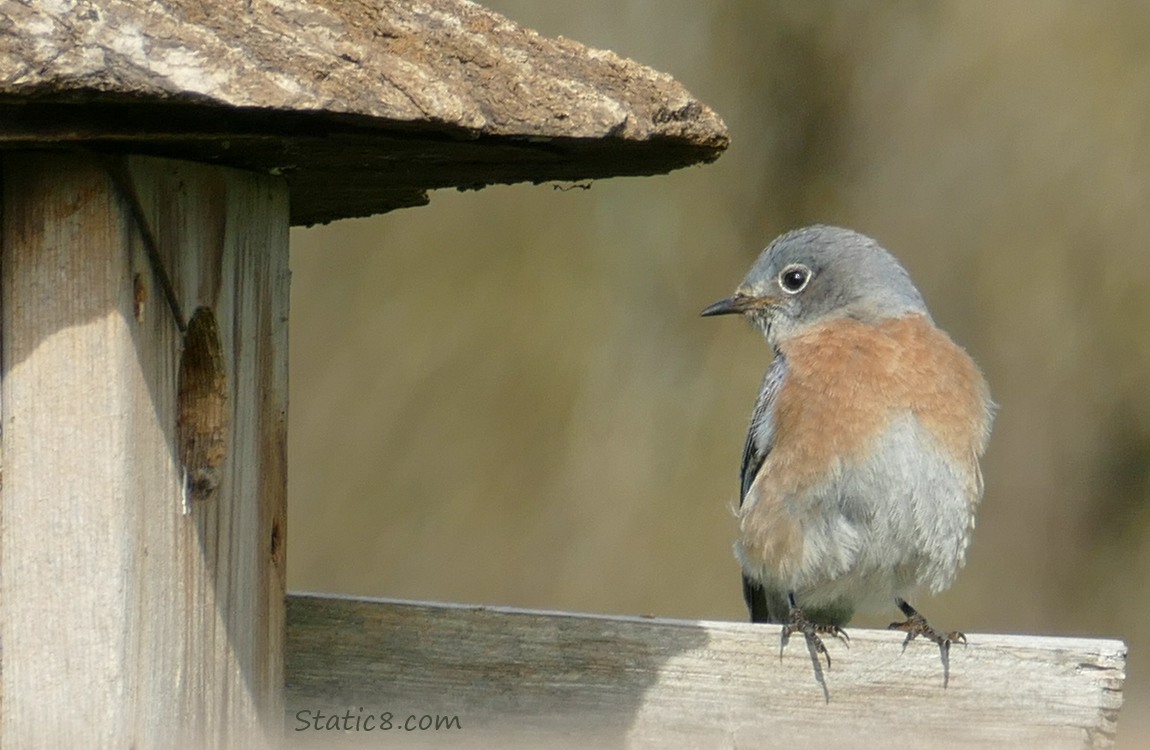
(916, 625)
(799, 623)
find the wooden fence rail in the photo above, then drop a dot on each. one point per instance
(506, 677)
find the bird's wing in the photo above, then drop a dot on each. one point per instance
(761, 434)
(760, 438)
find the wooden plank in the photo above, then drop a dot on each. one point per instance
(129, 620)
(523, 678)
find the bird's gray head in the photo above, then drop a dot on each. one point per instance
(819, 273)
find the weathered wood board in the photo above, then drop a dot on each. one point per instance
(552, 679)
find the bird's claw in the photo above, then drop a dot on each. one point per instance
(800, 624)
(916, 625)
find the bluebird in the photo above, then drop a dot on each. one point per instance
(860, 473)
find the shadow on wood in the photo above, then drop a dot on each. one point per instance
(516, 677)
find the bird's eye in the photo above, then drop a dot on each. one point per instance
(794, 278)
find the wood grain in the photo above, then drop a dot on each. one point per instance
(127, 621)
(523, 678)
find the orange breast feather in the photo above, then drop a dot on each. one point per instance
(846, 381)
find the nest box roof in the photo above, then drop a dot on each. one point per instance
(362, 106)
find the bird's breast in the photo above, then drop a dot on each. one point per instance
(847, 381)
(849, 386)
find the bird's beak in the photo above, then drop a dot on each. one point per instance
(739, 303)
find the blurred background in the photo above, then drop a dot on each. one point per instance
(508, 397)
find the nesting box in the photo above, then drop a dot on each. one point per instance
(154, 157)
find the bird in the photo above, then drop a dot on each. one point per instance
(860, 474)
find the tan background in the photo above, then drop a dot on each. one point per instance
(507, 397)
